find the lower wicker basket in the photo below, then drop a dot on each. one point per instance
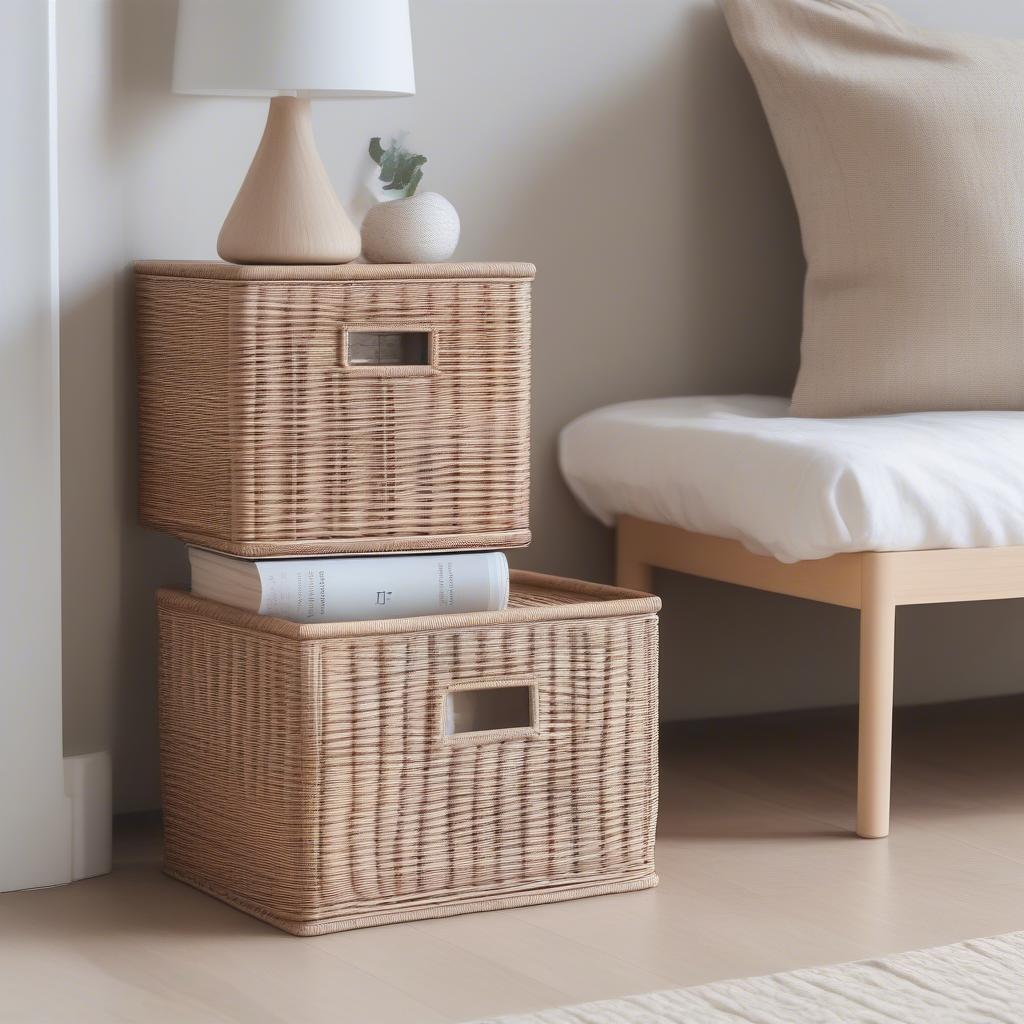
(312, 776)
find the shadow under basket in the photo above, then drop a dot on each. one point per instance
(329, 777)
(288, 411)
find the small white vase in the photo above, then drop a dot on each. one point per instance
(421, 229)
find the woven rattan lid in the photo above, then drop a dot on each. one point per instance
(216, 270)
(535, 597)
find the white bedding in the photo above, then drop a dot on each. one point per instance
(741, 467)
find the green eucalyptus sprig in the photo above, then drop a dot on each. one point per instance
(400, 170)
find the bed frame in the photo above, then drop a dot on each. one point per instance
(875, 582)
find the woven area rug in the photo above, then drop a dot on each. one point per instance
(978, 982)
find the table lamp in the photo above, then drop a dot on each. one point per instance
(291, 50)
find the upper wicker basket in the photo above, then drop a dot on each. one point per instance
(327, 410)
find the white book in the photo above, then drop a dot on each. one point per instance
(351, 589)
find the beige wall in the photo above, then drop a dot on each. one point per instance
(617, 145)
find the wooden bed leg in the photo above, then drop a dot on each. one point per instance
(631, 571)
(877, 650)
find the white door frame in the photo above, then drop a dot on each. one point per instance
(35, 814)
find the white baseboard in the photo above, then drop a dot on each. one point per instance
(87, 783)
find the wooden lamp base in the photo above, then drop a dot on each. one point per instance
(286, 210)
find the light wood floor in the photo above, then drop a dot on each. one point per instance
(759, 873)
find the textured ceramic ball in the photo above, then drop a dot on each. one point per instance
(421, 229)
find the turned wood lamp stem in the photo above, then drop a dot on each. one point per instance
(286, 210)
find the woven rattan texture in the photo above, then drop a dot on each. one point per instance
(309, 783)
(255, 438)
(216, 270)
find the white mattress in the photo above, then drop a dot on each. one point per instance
(741, 467)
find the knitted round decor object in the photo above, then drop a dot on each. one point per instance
(421, 229)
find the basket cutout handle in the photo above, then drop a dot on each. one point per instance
(489, 711)
(388, 350)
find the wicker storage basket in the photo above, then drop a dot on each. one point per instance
(309, 778)
(328, 410)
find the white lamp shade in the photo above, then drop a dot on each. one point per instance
(294, 47)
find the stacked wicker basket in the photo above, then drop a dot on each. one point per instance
(308, 776)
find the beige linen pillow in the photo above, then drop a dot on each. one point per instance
(905, 153)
